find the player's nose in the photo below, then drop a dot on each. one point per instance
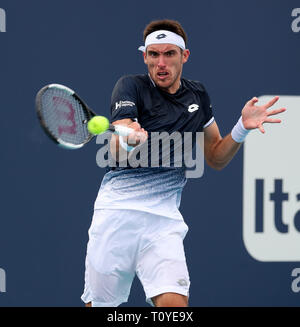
(161, 62)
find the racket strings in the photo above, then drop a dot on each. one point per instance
(64, 116)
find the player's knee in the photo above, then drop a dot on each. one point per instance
(170, 300)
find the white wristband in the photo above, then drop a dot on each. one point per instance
(239, 132)
(124, 145)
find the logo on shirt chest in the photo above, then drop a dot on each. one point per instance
(193, 107)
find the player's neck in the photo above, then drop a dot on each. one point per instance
(174, 88)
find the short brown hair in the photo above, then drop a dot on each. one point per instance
(165, 24)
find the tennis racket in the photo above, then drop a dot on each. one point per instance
(64, 117)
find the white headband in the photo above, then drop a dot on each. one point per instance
(162, 36)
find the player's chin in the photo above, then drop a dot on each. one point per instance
(165, 83)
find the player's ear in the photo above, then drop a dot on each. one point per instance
(185, 55)
(145, 57)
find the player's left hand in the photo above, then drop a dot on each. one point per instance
(254, 116)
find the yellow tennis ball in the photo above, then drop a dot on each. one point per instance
(98, 125)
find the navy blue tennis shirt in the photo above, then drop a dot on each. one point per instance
(153, 189)
(137, 97)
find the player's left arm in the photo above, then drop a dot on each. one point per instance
(219, 151)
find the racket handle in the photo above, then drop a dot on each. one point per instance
(121, 130)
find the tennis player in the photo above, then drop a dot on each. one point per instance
(137, 228)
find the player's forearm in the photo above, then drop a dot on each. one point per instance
(114, 145)
(117, 151)
(222, 153)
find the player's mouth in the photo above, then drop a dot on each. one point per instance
(162, 75)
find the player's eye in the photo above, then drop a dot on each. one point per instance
(153, 54)
(170, 53)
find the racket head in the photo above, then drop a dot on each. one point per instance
(63, 116)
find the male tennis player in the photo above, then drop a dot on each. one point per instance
(137, 227)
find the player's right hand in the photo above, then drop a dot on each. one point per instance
(139, 135)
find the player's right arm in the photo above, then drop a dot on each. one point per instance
(124, 111)
(137, 137)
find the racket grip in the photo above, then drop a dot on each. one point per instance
(122, 130)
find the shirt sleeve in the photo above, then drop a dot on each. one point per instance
(207, 107)
(124, 99)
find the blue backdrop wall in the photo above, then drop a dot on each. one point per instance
(239, 49)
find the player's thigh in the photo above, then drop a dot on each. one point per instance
(107, 289)
(162, 265)
(113, 241)
(110, 261)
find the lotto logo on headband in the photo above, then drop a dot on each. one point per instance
(271, 195)
(161, 36)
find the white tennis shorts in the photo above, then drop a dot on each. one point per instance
(125, 242)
